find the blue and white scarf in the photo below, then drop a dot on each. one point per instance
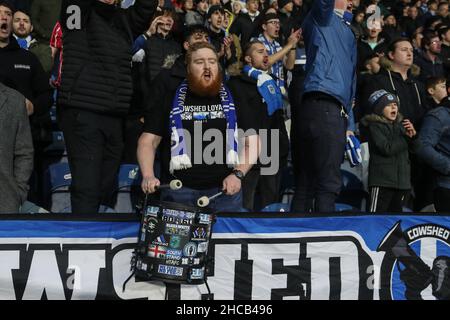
(24, 43)
(267, 87)
(277, 68)
(179, 158)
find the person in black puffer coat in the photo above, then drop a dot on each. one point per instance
(96, 91)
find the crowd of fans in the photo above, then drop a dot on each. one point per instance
(116, 69)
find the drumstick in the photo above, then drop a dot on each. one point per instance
(204, 201)
(173, 185)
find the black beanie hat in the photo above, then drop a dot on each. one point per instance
(282, 3)
(380, 99)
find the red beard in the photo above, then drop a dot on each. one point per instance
(200, 88)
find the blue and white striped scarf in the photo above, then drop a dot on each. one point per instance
(277, 68)
(267, 88)
(179, 158)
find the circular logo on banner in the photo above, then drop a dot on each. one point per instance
(416, 265)
(190, 249)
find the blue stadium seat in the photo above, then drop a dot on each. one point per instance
(102, 209)
(342, 207)
(352, 191)
(58, 180)
(129, 178)
(277, 207)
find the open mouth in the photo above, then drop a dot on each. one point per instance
(394, 114)
(207, 76)
(4, 27)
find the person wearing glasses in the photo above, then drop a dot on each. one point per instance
(279, 57)
(429, 60)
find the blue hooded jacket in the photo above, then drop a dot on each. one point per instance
(331, 55)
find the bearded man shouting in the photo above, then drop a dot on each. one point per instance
(197, 127)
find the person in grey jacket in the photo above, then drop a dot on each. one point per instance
(16, 150)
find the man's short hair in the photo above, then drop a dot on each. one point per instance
(25, 13)
(193, 29)
(393, 44)
(197, 46)
(269, 16)
(214, 8)
(369, 58)
(434, 81)
(427, 37)
(442, 29)
(249, 46)
(6, 3)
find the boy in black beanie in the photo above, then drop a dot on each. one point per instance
(389, 139)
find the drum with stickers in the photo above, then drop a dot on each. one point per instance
(173, 243)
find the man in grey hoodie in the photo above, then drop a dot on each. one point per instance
(16, 150)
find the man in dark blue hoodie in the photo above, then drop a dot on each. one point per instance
(325, 113)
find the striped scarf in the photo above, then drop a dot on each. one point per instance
(277, 68)
(179, 158)
(267, 88)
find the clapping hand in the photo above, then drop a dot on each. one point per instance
(410, 131)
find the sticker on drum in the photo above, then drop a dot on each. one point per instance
(175, 242)
(151, 211)
(155, 251)
(174, 254)
(177, 229)
(160, 240)
(170, 270)
(197, 274)
(172, 219)
(151, 224)
(202, 246)
(190, 261)
(190, 249)
(178, 214)
(199, 234)
(204, 218)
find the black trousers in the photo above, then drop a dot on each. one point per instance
(387, 199)
(133, 129)
(442, 199)
(266, 186)
(94, 145)
(319, 144)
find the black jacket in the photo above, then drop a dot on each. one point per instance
(96, 72)
(445, 53)
(245, 28)
(21, 70)
(246, 95)
(411, 94)
(389, 164)
(365, 51)
(156, 51)
(428, 68)
(162, 89)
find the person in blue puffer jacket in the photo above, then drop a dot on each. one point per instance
(324, 116)
(435, 151)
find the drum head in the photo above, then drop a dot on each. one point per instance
(173, 243)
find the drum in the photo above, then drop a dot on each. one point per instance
(173, 243)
